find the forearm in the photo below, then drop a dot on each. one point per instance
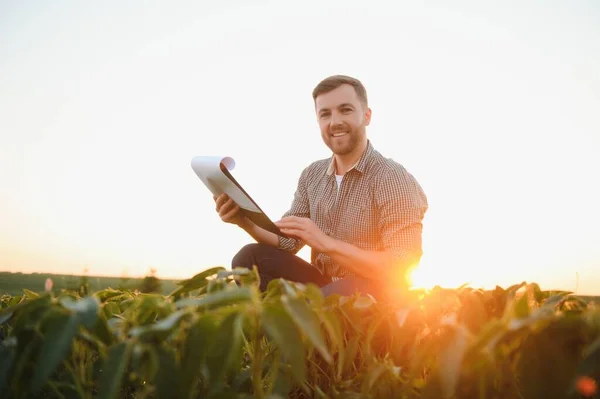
(259, 234)
(378, 265)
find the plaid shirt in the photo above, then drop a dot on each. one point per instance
(379, 207)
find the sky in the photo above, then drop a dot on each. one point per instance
(494, 108)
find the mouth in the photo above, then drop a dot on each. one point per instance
(339, 134)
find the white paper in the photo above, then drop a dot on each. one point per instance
(208, 169)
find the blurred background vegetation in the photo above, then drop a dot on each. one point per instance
(14, 283)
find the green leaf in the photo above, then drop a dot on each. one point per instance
(28, 348)
(108, 293)
(241, 275)
(472, 312)
(101, 330)
(450, 360)
(30, 294)
(590, 366)
(226, 351)
(196, 282)
(517, 305)
(373, 374)
(334, 330)
(487, 338)
(308, 322)
(85, 309)
(274, 289)
(555, 300)
(145, 361)
(168, 378)
(7, 356)
(238, 271)
(4, 317)
(58, 328)
(28, 313)
(159, 330)
(283, 383)
(221, 298)
(314, 295)
(363, 302)
(374, 324)
(551, 355)
(540, 314)
(197, 342)
(290, 288)
(350, 354)
(111, 309)
(280, 327)
(113, 370)
(14, 300)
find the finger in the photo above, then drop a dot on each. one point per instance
(227, 207)
(294, 218)
(296, 221)
(295, 233)
(223, 197)
(229, 215)
(222, 200)
(289, 224)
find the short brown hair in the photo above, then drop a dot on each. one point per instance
(335, 81)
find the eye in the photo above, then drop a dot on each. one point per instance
(346, 110)
(324, 115)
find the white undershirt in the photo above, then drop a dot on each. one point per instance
(339, 178)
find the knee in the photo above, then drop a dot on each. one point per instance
(245, 256)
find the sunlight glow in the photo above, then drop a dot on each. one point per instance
(493, 108)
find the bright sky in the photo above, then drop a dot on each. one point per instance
(495, 109)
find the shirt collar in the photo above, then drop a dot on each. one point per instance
(360, 165)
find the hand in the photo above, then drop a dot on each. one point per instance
(229, 211)
(307, 231)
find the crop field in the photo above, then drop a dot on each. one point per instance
(14, 283)
(216, 336)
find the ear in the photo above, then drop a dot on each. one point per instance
(368, 117)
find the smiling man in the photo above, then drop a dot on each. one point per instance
(359, 212)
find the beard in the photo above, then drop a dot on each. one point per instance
(343, 145)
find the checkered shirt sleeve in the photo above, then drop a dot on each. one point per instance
(300, 207)
(402, 205)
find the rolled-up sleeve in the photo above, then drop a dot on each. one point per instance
(402, 205)
(301, 208)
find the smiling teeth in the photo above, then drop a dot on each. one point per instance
(338, 134)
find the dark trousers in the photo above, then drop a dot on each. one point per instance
(273, 263)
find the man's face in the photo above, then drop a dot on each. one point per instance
(342, 119)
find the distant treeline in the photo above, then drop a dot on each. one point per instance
(14, 283)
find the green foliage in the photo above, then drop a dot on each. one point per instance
(150, 284)
(14, 283)
(217, 336)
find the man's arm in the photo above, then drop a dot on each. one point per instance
(259, 234)
(402, 205)
(374, 265)
(230, 212)
(378, 265)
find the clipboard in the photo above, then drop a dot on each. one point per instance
(214, 172)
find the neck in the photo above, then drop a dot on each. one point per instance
(343, 163)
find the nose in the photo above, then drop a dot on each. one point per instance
(336, 119)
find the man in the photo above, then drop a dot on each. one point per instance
(360, 213)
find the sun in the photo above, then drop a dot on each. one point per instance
(424, 276)
(419, 279)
